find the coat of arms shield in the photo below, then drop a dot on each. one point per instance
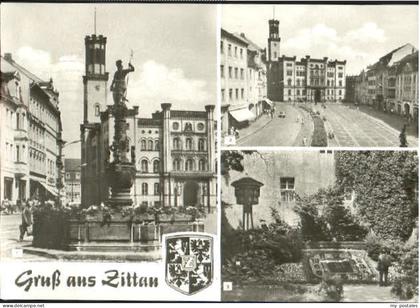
(188, 261)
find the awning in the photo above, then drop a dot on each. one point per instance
(241, 115)
(267, 101)
(51, 190)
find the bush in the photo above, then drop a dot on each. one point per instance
(331, 289)
(406, 283)
(319, 137)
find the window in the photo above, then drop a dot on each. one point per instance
(156, 189)
(237, 93)
(144, 189)
(189, 165)
(241, 53)
(242, 93)
(67, 175)
(17, 121)
(157, 145)
(289, 73)
(339, 92)
(275, 55)
(202, 165)
(177, 165)
(156, 166)
(144, 166)
(150, 145)
(230, 94)
(17, 154)
(287, 189)
(236, 51)
(188, 127)
(298, 92)
(188, 144)
(201, 145)
(236, 73)
(229, 49)
(289, 82)
(222, 49)
(77, 175)
(298, 82)
(143, 145)
(242, 73)
(289, 92)
(175, 126)
(340, 75)
(176, 144)
(97, 110)
(230, 71)
(223, 95)
(222, 71)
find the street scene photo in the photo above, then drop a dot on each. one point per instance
(319, 226)
(343, 76)
(107, 131)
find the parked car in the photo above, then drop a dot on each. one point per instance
(282, 114)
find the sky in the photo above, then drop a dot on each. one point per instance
(360, 34)
(174, 52)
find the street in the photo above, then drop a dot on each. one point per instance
(351, 128)
(281, 131)
(9, 240)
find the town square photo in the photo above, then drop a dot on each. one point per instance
(319, 75)
(108, 129)
(319, 226)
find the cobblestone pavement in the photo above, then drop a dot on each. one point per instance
(10, 246)
(353, 127)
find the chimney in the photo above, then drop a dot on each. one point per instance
(8, 56)
(243, 35)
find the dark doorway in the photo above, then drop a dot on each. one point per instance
(406, 109)
(191, 193)
(317, 96)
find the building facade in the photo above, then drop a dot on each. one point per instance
(378, 86)
(72, 167)
(174, 150)
(285, 175)
(234, 81)
(407, 86)
(306, 80)
(30, 134)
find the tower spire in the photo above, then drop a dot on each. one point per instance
(94, 21)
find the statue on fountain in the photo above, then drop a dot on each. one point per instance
(121, 171)
(119, 84)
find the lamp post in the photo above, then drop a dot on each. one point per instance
(247, 192)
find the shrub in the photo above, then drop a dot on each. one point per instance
(319, 137)
(405, 285)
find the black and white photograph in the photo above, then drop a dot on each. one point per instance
(319, 75)
(320, 226)
(107, 129)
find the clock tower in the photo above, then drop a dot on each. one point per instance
(95, 80)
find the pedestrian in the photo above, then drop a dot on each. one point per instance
(384, 262)
(6, 205)
(403, 138)
(26, 221)
(304, 141)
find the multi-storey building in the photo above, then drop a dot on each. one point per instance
(407, 86)
(361, 88)
(256, 78)
(381, 80)
(174, 150)
(351, 82)
(234, 84)
(286, 177)
(72, 169)
(307, 79)
(31, 135)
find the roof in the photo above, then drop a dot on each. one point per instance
(247, 181)
(72, 164)
(251, 44)
(5, 63)
(411, 59)
(234, 37)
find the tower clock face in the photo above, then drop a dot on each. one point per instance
(97, 87)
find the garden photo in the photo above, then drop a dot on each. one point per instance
(320, 226)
